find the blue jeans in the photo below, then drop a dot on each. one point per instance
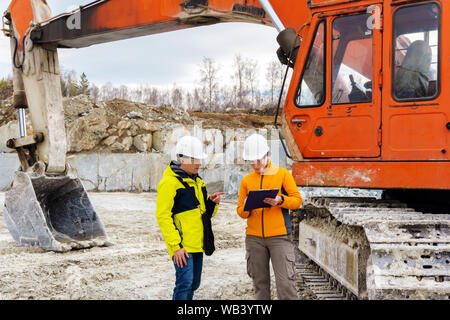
(188, 277)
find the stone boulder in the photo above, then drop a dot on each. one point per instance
(123, 126)
(110, 140)
(149, 126)
(165, 140)
(86, 132)
(143, 142)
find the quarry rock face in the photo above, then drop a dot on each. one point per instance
(119, 172)
(108, 126)
(121, 145)
(85, 133)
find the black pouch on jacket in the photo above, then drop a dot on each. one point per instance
(208, 235)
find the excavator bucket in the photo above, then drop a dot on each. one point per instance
(54, 213)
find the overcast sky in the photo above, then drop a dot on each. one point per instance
(162, 59)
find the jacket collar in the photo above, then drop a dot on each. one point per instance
(268, 170)
(174, 166)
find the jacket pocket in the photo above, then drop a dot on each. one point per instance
(290, 265)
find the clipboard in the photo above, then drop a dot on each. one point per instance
(255, 199)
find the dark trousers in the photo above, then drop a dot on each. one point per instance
(188, 277)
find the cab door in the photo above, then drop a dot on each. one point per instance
(416, 112)
(334, 105)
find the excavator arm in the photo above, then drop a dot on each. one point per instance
(47, 204)
(111, 20)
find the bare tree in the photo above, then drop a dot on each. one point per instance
(189, 104)
(136, 94)
(177, 97)
(209, 80)
(165, 97)
(123, 92)
(272, 76)
(238, 77)
(94, 92)
(69, 86)
(251, 78)
(197, 100)
(106, 91)
(279, 84)
(150, 96)
(228, 96)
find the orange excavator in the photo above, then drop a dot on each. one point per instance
(366, 108)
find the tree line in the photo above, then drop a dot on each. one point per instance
(248, 87)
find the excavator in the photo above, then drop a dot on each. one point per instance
(366, 108)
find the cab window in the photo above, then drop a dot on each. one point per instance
(416, 52)
(352, 60)
(311, 91)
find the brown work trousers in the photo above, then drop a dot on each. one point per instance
(279, 249)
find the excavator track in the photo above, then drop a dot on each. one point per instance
(320, 284)
(377, 249)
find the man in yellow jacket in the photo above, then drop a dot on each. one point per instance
(268, 228)
(182, 199)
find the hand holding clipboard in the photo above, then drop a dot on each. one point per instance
(255, 199)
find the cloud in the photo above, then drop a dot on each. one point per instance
(161, 59)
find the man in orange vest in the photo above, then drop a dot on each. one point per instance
(268, 229)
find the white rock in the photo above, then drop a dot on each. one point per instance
(110, 140)
(165, 140)
(122, 126)
(143, 142)
(213, 141)
(147, 125)
(127, 142)
(135, 115)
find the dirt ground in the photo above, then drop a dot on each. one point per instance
(136, 267)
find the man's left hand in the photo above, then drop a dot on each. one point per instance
(215, 197)
(272, 201)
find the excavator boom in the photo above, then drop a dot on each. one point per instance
(111, 20)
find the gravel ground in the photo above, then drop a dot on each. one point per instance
(136, 267)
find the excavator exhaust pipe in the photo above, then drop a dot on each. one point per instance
(54, 213)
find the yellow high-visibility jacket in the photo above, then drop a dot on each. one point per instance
(178, 216)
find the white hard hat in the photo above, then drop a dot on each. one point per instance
(255, 147)
(191, 147)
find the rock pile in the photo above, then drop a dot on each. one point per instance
(118, 126)
(121, 126)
